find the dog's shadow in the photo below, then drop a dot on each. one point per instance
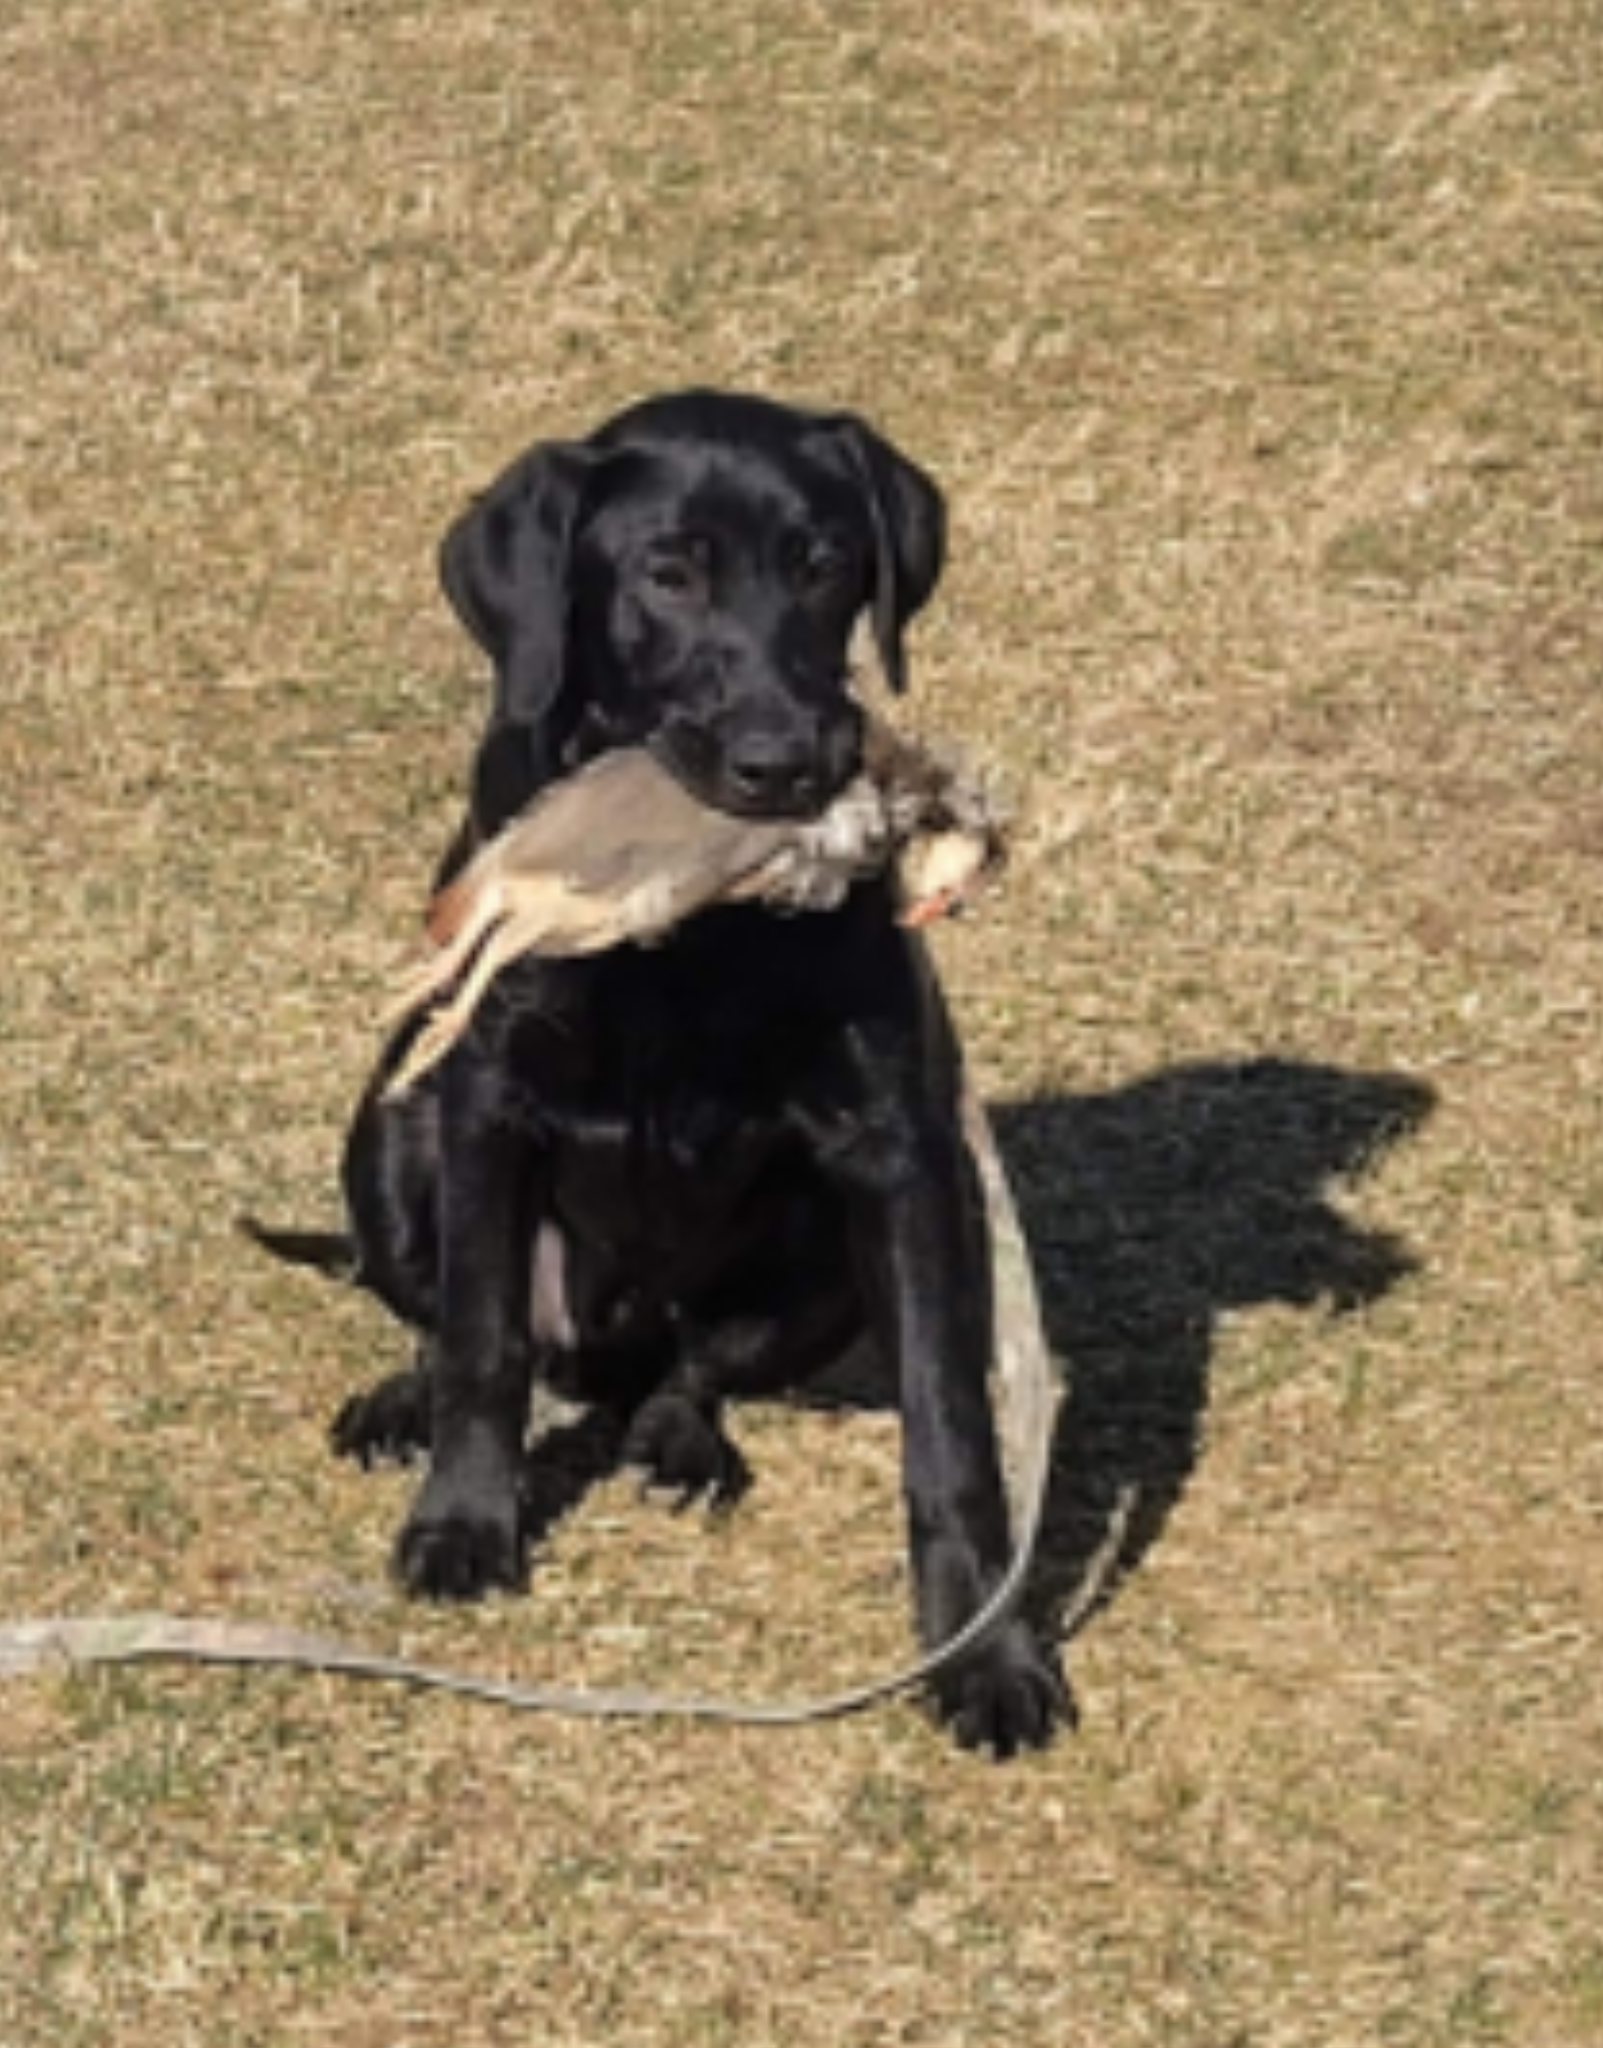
(1151, 1212)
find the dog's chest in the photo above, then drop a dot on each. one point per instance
(664, 1128)
(646, 1210)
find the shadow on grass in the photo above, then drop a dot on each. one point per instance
(1151, 1212)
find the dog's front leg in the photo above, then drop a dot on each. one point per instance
(464, 1534)
(923, 1245)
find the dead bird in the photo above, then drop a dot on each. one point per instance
(621, 852)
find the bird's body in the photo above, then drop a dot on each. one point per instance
(621, 853)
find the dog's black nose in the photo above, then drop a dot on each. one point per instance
(773, 774)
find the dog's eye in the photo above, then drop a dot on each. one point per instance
(670, 578)
(820, 565)
(678, 571)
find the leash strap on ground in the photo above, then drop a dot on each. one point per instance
(1030, 1392)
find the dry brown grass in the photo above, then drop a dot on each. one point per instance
(1260, 349)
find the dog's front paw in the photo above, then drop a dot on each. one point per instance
(460, 1552)
(1007, 1697)
(681, 1451)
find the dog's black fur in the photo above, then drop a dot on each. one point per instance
(661, 1178)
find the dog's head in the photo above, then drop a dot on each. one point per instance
(688, 579)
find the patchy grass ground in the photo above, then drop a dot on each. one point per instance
(1260, 350)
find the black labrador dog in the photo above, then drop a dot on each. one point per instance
(661, 1178)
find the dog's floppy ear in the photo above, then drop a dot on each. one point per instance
(909, 519)
(504, 567)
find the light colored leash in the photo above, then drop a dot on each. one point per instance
(1030, 1392)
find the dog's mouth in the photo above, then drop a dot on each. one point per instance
(759, 779)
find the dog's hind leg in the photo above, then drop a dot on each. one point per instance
(793, 1313)
(389, 1424)
(676, 1440)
